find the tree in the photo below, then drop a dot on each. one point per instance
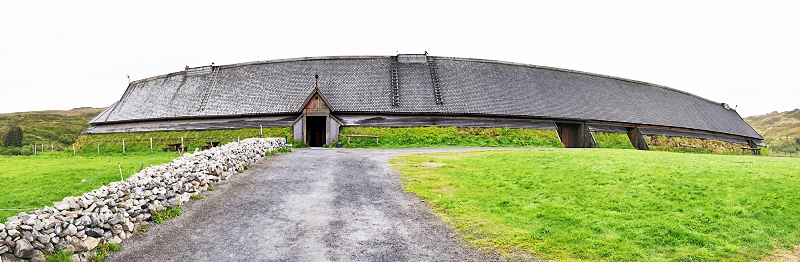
(13, 137)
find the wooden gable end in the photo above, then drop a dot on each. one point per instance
(316, 105)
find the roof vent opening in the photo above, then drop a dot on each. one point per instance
(727, 106)
(412, 58)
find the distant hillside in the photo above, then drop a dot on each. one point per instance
(781, 131)
(61, 127)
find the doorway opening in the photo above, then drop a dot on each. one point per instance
(570, 134)
(315, 130)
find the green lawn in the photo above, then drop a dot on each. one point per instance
(613, 205)
(32, 182)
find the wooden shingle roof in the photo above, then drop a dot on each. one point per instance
(467, 87)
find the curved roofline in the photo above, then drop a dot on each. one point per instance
(544, 118)
(577, 72)
(478, 60)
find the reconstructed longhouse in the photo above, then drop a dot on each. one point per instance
(319, 95)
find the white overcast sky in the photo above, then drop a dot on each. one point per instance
(67, 54)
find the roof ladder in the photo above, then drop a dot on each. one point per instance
(437, 92)
(212, 81)
(395, 84)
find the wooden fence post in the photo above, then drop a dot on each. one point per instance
(123, 145)
(260, 131)
(73, 149)
(151, 145)
(98, 148)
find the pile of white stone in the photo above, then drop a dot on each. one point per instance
(115, 212)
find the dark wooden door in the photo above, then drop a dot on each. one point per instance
(569, 134)
(315, 130)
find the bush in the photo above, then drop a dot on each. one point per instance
(13, 137)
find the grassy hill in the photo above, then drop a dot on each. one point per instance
(781, 130)
(61, 127)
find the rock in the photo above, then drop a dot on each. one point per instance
(127, 227)
(10, 258)
(81, 234)
(26, 227)
(2, 226)
(72, 230)
(112, 221)
(78, 245)
(38, 226)
(55, 240)
(36, 245)
(49, 248)
(175, 201)
(43, 239)
(91, 242)
(94, 232)
(62, 244)
(3, 249)
(116, 240)
(49, 224)
(63, 205)
(27, 235)
(23, 249)
(84, 221)
(38, 256)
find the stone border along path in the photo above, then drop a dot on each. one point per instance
(309, 205)
(113, 213)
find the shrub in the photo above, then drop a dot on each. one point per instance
(13, 137)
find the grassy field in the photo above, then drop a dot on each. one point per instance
(32, 182)
(403, 137)
(140, 142)
(613, 205)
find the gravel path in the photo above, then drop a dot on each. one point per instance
(309, 205)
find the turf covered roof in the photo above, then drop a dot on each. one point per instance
(467, 87)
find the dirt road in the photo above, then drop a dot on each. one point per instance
(309, 205)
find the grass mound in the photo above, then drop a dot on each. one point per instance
(140, 142)
(612, 140)
(402, 137)
(613, 205)
(708, 146)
